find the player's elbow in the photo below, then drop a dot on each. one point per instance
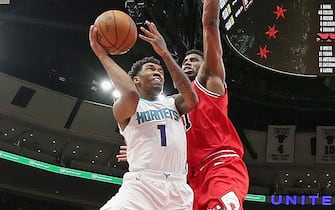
(186, 104)
(193, 102)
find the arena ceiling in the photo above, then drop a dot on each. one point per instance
(46, 42)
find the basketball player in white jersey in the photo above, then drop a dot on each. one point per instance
(152, 128)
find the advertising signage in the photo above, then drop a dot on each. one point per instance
(296, 200)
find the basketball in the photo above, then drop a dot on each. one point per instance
(117, 31)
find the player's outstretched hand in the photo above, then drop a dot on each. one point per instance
(152, 36)
(96, 47)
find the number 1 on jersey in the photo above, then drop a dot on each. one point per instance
(163, 134)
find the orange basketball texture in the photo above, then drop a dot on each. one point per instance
(117, 31)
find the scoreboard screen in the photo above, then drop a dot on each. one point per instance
(290, 37)
(232, 9)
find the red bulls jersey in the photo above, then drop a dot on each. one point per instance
(208, 127)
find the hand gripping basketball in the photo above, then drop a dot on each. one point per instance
(117, 31)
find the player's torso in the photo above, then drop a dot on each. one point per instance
(208, 127)
(156, 138)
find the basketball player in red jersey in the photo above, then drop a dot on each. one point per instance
(217, 172)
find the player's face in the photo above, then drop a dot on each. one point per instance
(191, 65)
(152, 77)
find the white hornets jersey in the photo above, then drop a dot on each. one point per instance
(156, 138)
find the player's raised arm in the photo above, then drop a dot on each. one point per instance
(125, 106)
(212, 73)
(187, 98)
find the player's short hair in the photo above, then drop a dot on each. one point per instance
(137, 66)
(194, 51)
